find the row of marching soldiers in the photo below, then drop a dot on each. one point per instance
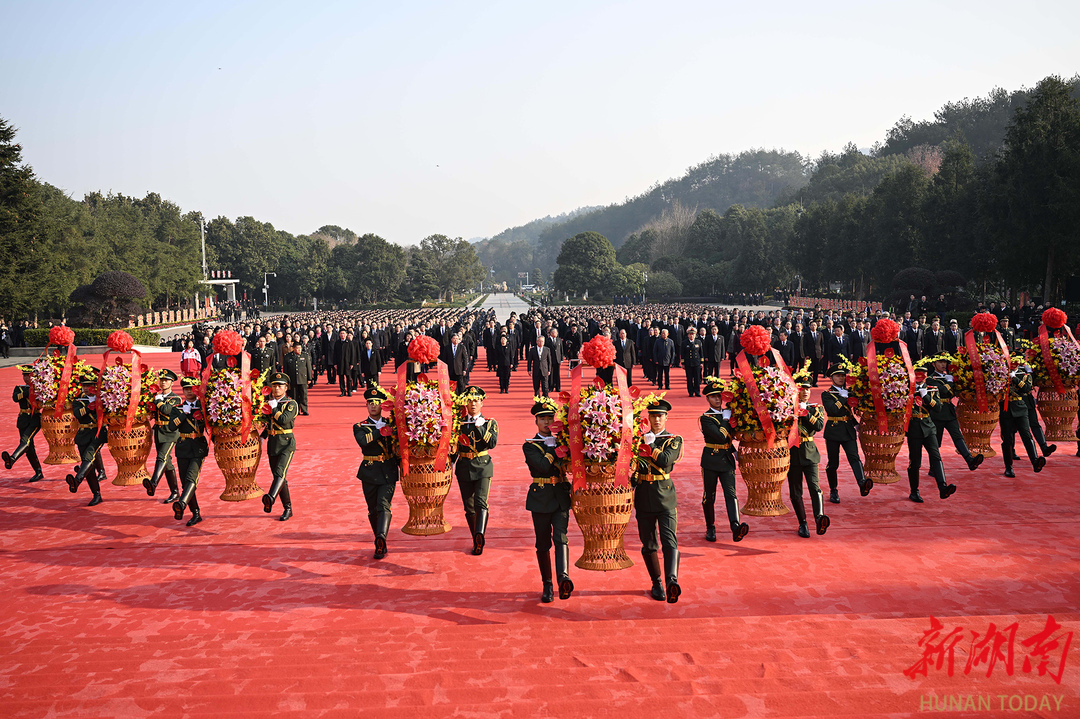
(179, 428)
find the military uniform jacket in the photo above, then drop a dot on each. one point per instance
(263, 359)
(944, 411)
(85, 413)
(474, 456)
(29, 416)
(1020, 388)
(280, 437)
(921, 422)
(164, 409)
(544, 464)
(692, 351)
(717, 454)
(655, 490)
(379, 465)
(190, 423)
(806, 454)
(840, 424)
(298, 368)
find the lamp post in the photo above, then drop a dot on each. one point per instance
(266, 288)
(644, 279)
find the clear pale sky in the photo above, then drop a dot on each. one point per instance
(407, 119)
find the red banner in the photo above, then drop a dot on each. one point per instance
(1005, 351)
(785, 372)
(245, 390)
(625, 457)
(135, 389)
(442, 454)
(577, 438)
(1048, 359)
(911, 383)
(746, 373)
(399, 417)
(874, 378)
(979, 378)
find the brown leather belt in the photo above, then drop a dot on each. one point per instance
(718, 446)
(546, 480)
(374, 457)
(839, 419)
(473, 455)
(275, 431)
(190, 435)
(653, 477)
(26, 411)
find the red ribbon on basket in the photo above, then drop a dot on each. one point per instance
(442, 454)
(911, 385)
(625, 457)
(135, 385)
(577, 437)
(65, 377)
(874, 378)
(746, 374)
(399, 417)
(977, 369)
(1048, 359)
(785, 373)
(245, 395)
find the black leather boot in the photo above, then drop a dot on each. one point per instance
(270, 497)
(470, 519)
(74, 480)
(174, 487)
(974, 462)
(804, 531)
(652, 563)
(478, 532)
(708, 507)
(196, 515)
(543, 558)
(181, 504)
(944, 490)
(671, 573)
(913, 480)
(834, 495)
(562, 570)
(382, 528)
(35, 464)
(738, 531)
(1007, 457)
(151, 482)
(95, 488)
(286, 503)
(10, 459)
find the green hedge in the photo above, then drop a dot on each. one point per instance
(83, 336)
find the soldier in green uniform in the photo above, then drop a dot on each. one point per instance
(1033, 421)
(262, 357)
(1015, 420)
(921, 434)
(473, 467)
(718, 463)
(28, 423)
(841, 430)
(280, 444)
(654, 502)
(805, 459)
(378, 472)
(549, 502)
(165, 437)
(89, 439)
(191, 449)
(944, 413)
(298, 368)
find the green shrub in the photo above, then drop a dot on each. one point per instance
(84, 336)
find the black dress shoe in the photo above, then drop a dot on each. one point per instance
(673, 591)
(1010, 473)
(947, 491)
(478, 544)
(549, 593)
(566, 588)
(73, 487)
(171, 498)
(37, 477)
(150, 488)
(1038, 464)
(286, 515)
(657, 591)
(8, 463)
(268, 503)
(380, 548)
(804, 532)
(914, 496)
(823, 523)
(710, 534)
(1049, 450)
(194, 520)
(975, 462)
(739, 532)
(95, 501)
(178, 508)
(865, 487)
(834, 496)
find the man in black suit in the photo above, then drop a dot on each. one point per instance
(371, 362)
(344, 360)
(953, 337)
(542, 361)
(859, 339)
(663, 357)
(933, 341)
(456, 357)
(914, 340)
(837, 344)
(786, 349)
(626, 355)
(715, 347)
(814, 348)
(555, 344)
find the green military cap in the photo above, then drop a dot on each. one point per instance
(543, 408)
(661, 407)
(803, 382)
(26, 368)
(89, 376)
(473, 392)
(714, 385)
(279, 378)
(167, 374)
(837, 369)
(376, 393)
(190, 382)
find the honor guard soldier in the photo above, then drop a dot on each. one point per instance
(378, 472)
(1033, 421)
(922, 434)
(28, 423)
(1014, 420)
(718, 463)
(841, 431)
(944, 413)
(805, 459)
(473, 467)
(654, 502)
(298, 369)
(191, 450)
(549, 502)
(166, 403)
(89, 439)
(692, 352)
(280, 443)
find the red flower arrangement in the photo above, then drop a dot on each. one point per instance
(120, 341)
(1054, 318)
(984, 322)
(424, 349)
(756, 340)
(61, 335)
(385, 430)
(254, 374)
(885, 331)
(599, 352)
(228, 342)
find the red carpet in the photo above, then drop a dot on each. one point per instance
(120, 611)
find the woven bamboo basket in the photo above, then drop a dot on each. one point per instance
(977, 426)
(425, 490)
(764, 471)
(881, 448)
(1058, 412)
(129, 450)
(238, 459)
(602, 511)
(60, 436)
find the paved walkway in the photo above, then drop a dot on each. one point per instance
(504, 303)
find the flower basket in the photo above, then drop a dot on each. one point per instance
(880, 447)
(60, 435)
(602, 510)
(764, 471)
(238, 458)
(129, 449)
(1058, 410)
(425, 489)
(977, 426)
